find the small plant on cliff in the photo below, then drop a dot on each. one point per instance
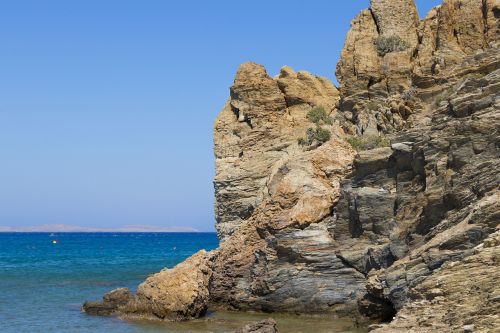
(320, 135)
(301, 141)
(318, 115)
(389, 44)
(360, 143)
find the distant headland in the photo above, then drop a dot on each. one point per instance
(75, 228)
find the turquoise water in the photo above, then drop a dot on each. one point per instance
(43, 285)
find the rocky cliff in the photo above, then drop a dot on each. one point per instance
(378, 199)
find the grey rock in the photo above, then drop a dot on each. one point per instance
(263, 326)
(111, 303)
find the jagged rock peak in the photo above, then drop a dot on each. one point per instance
(255, 91)
(260, 125)
(396, 18)
(389, 52)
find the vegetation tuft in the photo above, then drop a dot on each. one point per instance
(390, 44)
(317, 116)
(360, 143)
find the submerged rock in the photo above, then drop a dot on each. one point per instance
(263, 326)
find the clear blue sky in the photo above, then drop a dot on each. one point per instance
(106, 107)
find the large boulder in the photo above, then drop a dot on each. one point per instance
(175, 294)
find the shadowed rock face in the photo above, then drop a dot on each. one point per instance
(325, 228)
(462, 296)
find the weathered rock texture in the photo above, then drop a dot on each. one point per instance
(461, 296)
(399, 228)
(283, 257)
(263, 326)
(173, 294)
(258, 128)
(369, 80)
(330, 230)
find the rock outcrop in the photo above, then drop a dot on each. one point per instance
(175, 294)
(461, 296)
(388, 54)
(283, 258)
(390, 215)
(255, 130)
(112, 303)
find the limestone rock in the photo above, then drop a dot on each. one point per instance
(291, 226)
(399, 18)
(491, 10)
(327, 219)
(305, 88)
(254, 92)
(274, 113)
(450, 33)
(359, 65)
(175, 294)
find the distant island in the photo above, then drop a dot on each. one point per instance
(75, 228)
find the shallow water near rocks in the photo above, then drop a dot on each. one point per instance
(226, 321)
(43, 285)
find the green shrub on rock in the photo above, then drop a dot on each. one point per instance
(360, 143)
(318, 134)
(322, 135)
(301, 141)
(318, 115)
(389, 44)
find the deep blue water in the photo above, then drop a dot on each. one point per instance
(43, 285)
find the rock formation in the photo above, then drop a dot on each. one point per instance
(255, 130)
(450, 32)
(173, 294)
(392, 214)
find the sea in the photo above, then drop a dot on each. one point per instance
(46, 277)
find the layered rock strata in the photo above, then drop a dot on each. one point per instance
(258, 128)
